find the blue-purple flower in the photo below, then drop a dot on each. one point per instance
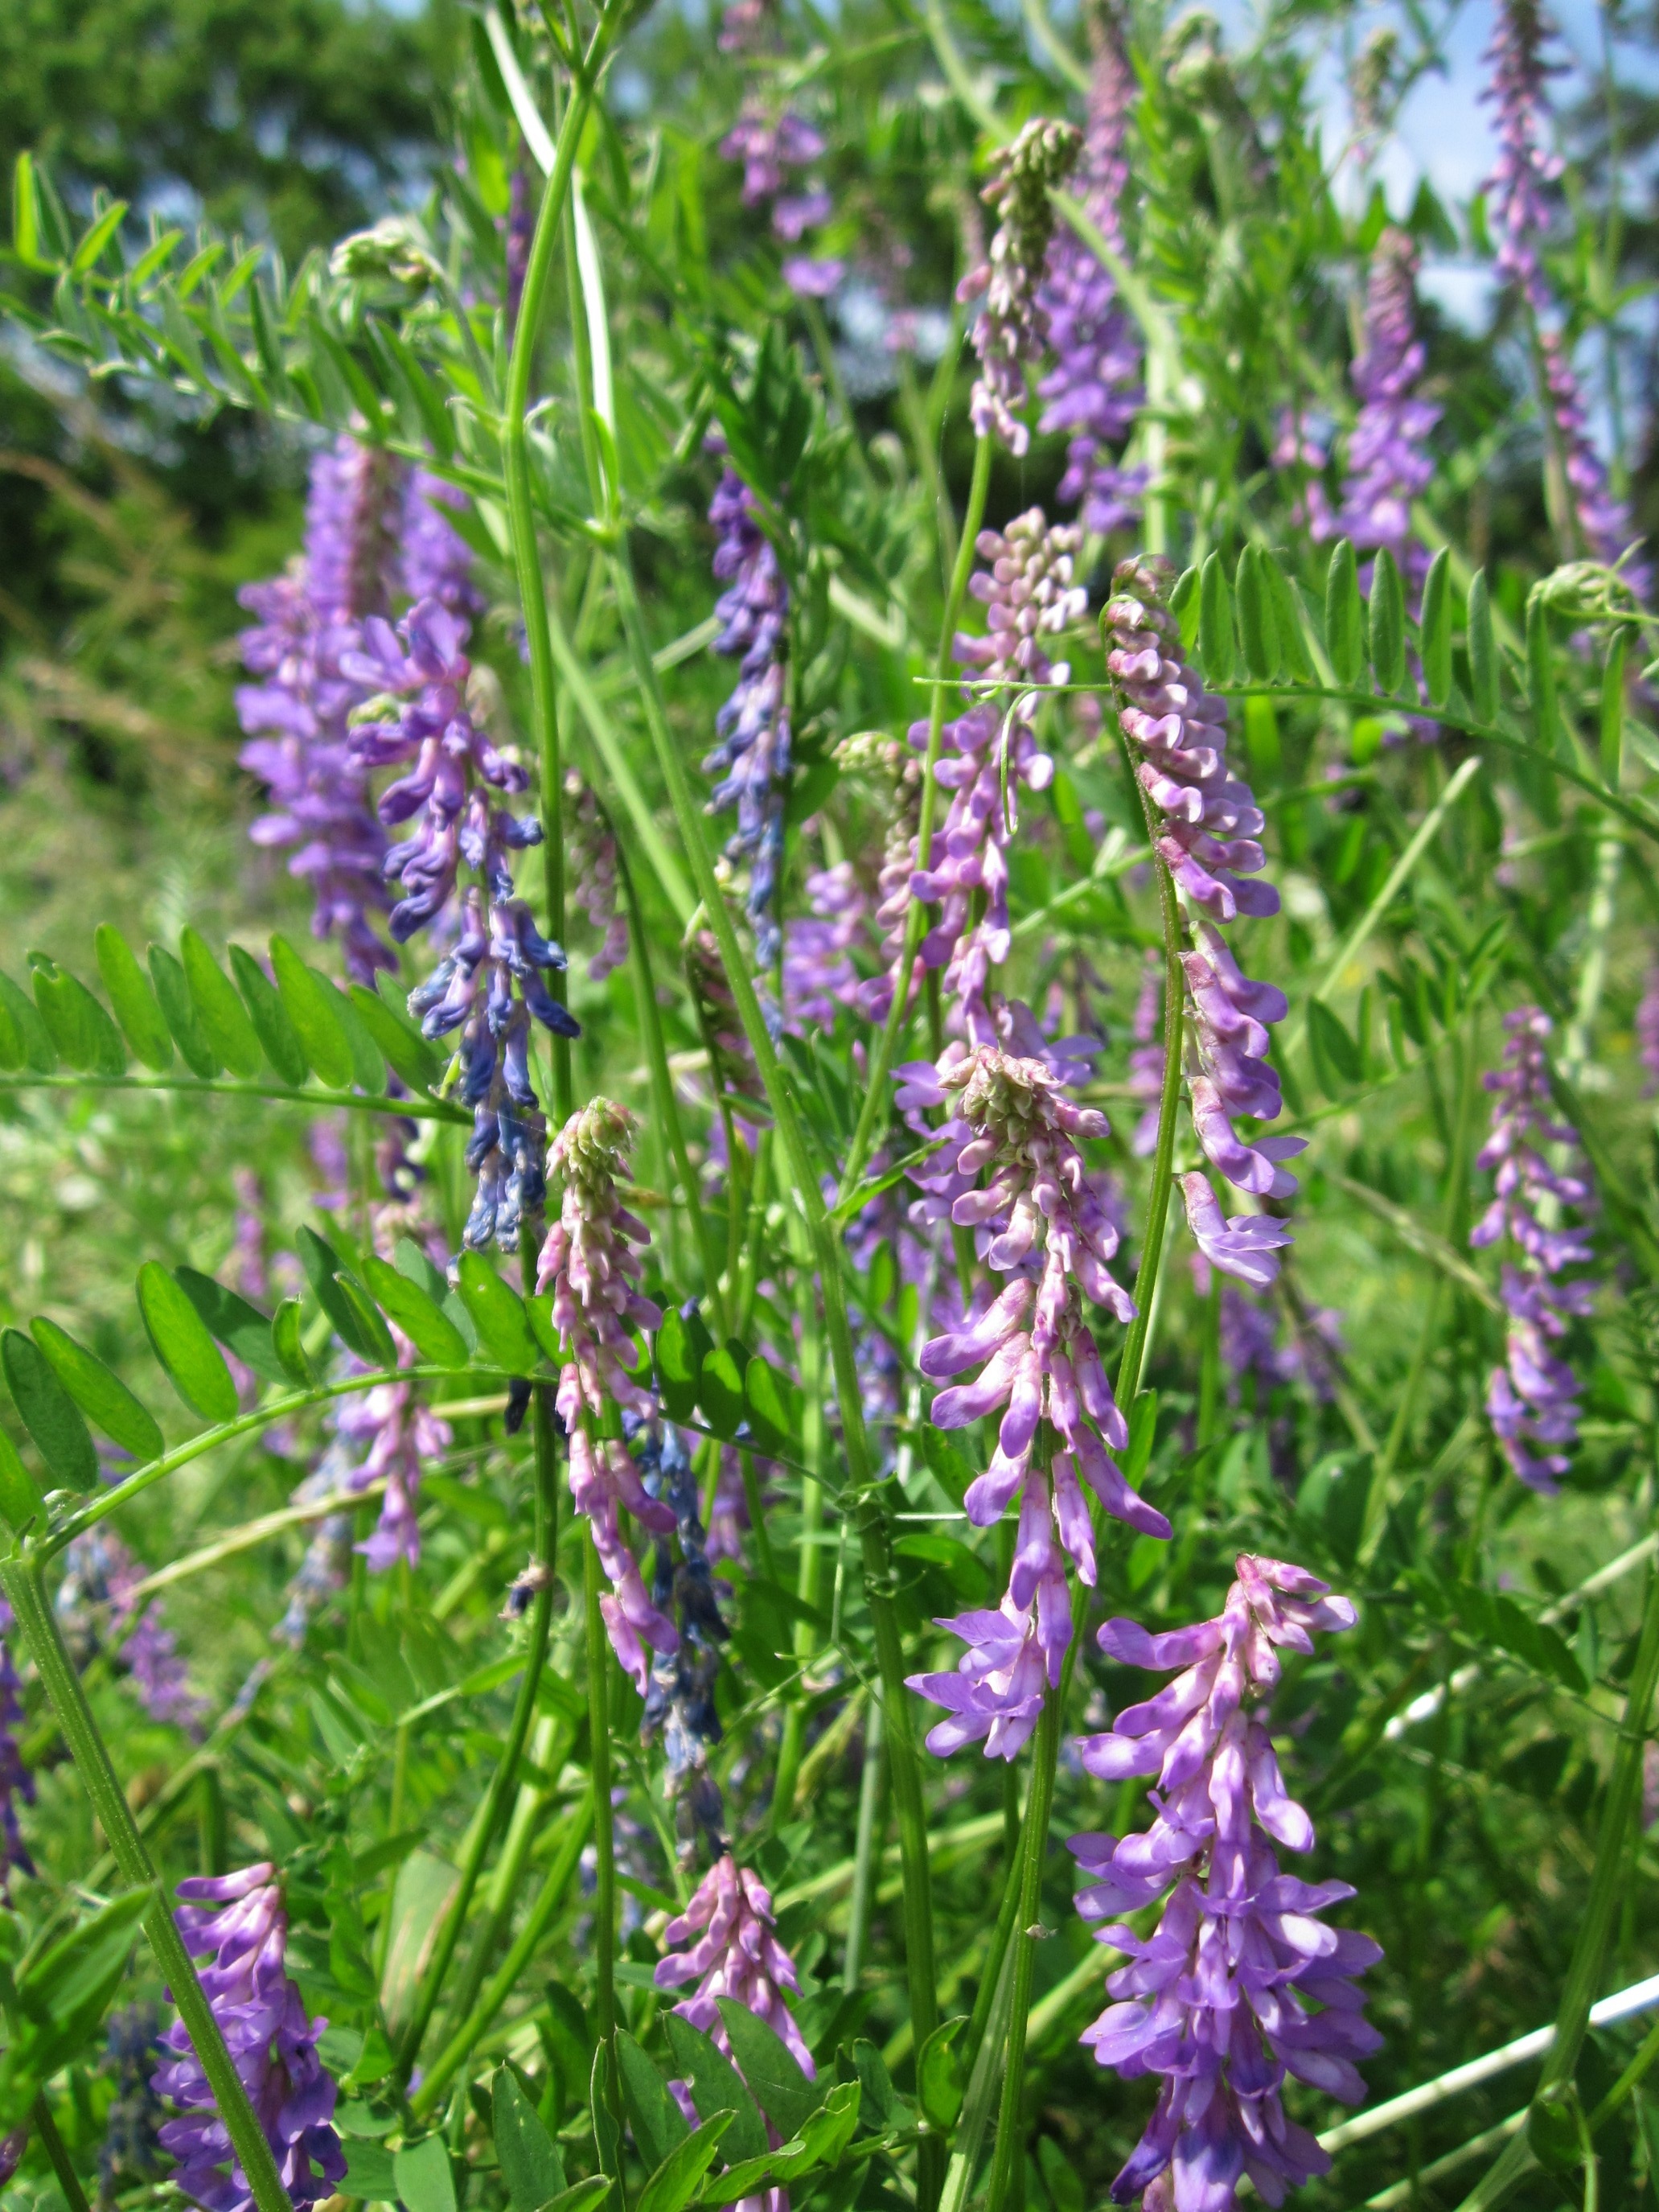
(237, 1924)
(1389, 464)
(1216, 2002)
(752, 758)
(16, 1782)
(1532, 1400)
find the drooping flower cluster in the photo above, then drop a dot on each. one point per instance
(1042, 1221)
(97, 1609)
(730, 1950)
(1013, 326)
(129, 2152)
(271, 2043)
(1206, 827)
(591, 850)
(384, 1435)
(680, 1702)
(752, 757)
(493, 980)
(770, 143)
(1532, 1400)
(818, 975)
(1389, 464)
(591, 1264)
(16, 1782)
(1094, 389)
(1521, 191)
(1216, 2001)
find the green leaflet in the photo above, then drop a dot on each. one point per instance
(1483, 651)
(1344, 617)
(223, 1017)
(431, 1332)
(19, 1498)
(719, 1390)
(324, 1271)
(288, 1344)
(1436, 630)
(278, 1038)
(677, 2180)
(659, 2124)
(172, 991)
(241, 1327)
(1215, 621)
(677, 1367)
(531, 2163)
(82, 1032)
(775, 1407)
(134, 1001)
(498, 1314)
(776, 2080)
(397, 1039)
(179, 1339)
(48, 1412)
(939, 2085)
(423, 2176)
(1387, 624)
(311, 1006)
(23, 1039)
(102, 1396)
(1258, 625)
(716, 2086)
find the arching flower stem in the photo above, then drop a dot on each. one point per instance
(20, 1577)
(876, 1094)
(1010, 2138)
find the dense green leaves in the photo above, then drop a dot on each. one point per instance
(429, 1329)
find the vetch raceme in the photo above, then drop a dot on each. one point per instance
(592, 861)
(1216, 2001)
(384, 1434)
(1094, 389)
(1532, 1400)
(752, 758)
(16, 1782)
(97, 1608)
(1205, 826)
(1042, 1221)
(591, 1264)
(492, 982)
(1013, 326)
(818, 975)
(770, 143)
(1389, 464)
(680, 1702)
(730, 1949)
(237, 1923)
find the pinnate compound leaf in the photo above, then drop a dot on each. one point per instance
(278, 1038)
(311, 1003)
(1436, 630)
(719, 1390)
(775, 2081)
(717, 2085)
(677, 2180)
(223, 1017)
(179, 1339)
(48, 1412)
(172, 991)
(1257, 622)
(132, 998)
(1344, 617)
(776, 1407)
(239, 1327)
(431, 1332)
(1287, 620)
(660, 2126)
(23, 1037)
(423, 2176)
(498, 1314)
(102, 1396)
(368, 1317)
(532, 2166)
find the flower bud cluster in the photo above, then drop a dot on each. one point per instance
(1012, 327)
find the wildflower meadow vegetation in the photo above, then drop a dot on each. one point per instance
(846, 1397)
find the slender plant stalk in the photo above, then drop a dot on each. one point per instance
(43, 2125)
(605, 1844)
(549, 1749)
(1584, 1969)
(875, 1096)
(466, 2037)
(809, 1571)
(866, 1849)
(20, 1577)
(969, 2132)
(874, 1539)
(1027, 1932)
(506, 1774)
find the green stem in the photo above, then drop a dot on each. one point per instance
(866, 1850)
(20, 1577)
(414, 1109)
(1585, 1967)
(879, 1582)
(549, 1749)
(809, 1568)
(1011, 2140)
(662, 1090)
(466, 2037)
(969, 2132)
(875, 1096)
(506, 1774)
(604, 1896)
(991, 1974)
(56, 2150)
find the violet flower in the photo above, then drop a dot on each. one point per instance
(129, 2151)
(1042, 1221)
(1389, 465)
(1206, 827)
(17, 1782)
(272, 2044)
(770, 145)
(591, 856)
(1532, 1400)
(434, 561)
(752, 757)
(679, 1704)
(295, 713)
(493, 981)
(1146, 1060)
(1095, 389)
(97, 1609)
(1013, 326)
(384, 1435)
(591, 1264)
(1214, 2001)
(818, 975)
(1647, 1033)
(730, 1950)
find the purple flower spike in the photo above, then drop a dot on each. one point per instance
(1532, 1400)
(1389, 465)
(591, 1264)
(16, 1782)
(384, 1434)
(1243, 1245)
(752, 758)
(818, 975)
(1214, 2000)
(271, 2043)
(731, 1951)
(1012, 326)
(591, 855)
(1094, 389)
(1647, 1033)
